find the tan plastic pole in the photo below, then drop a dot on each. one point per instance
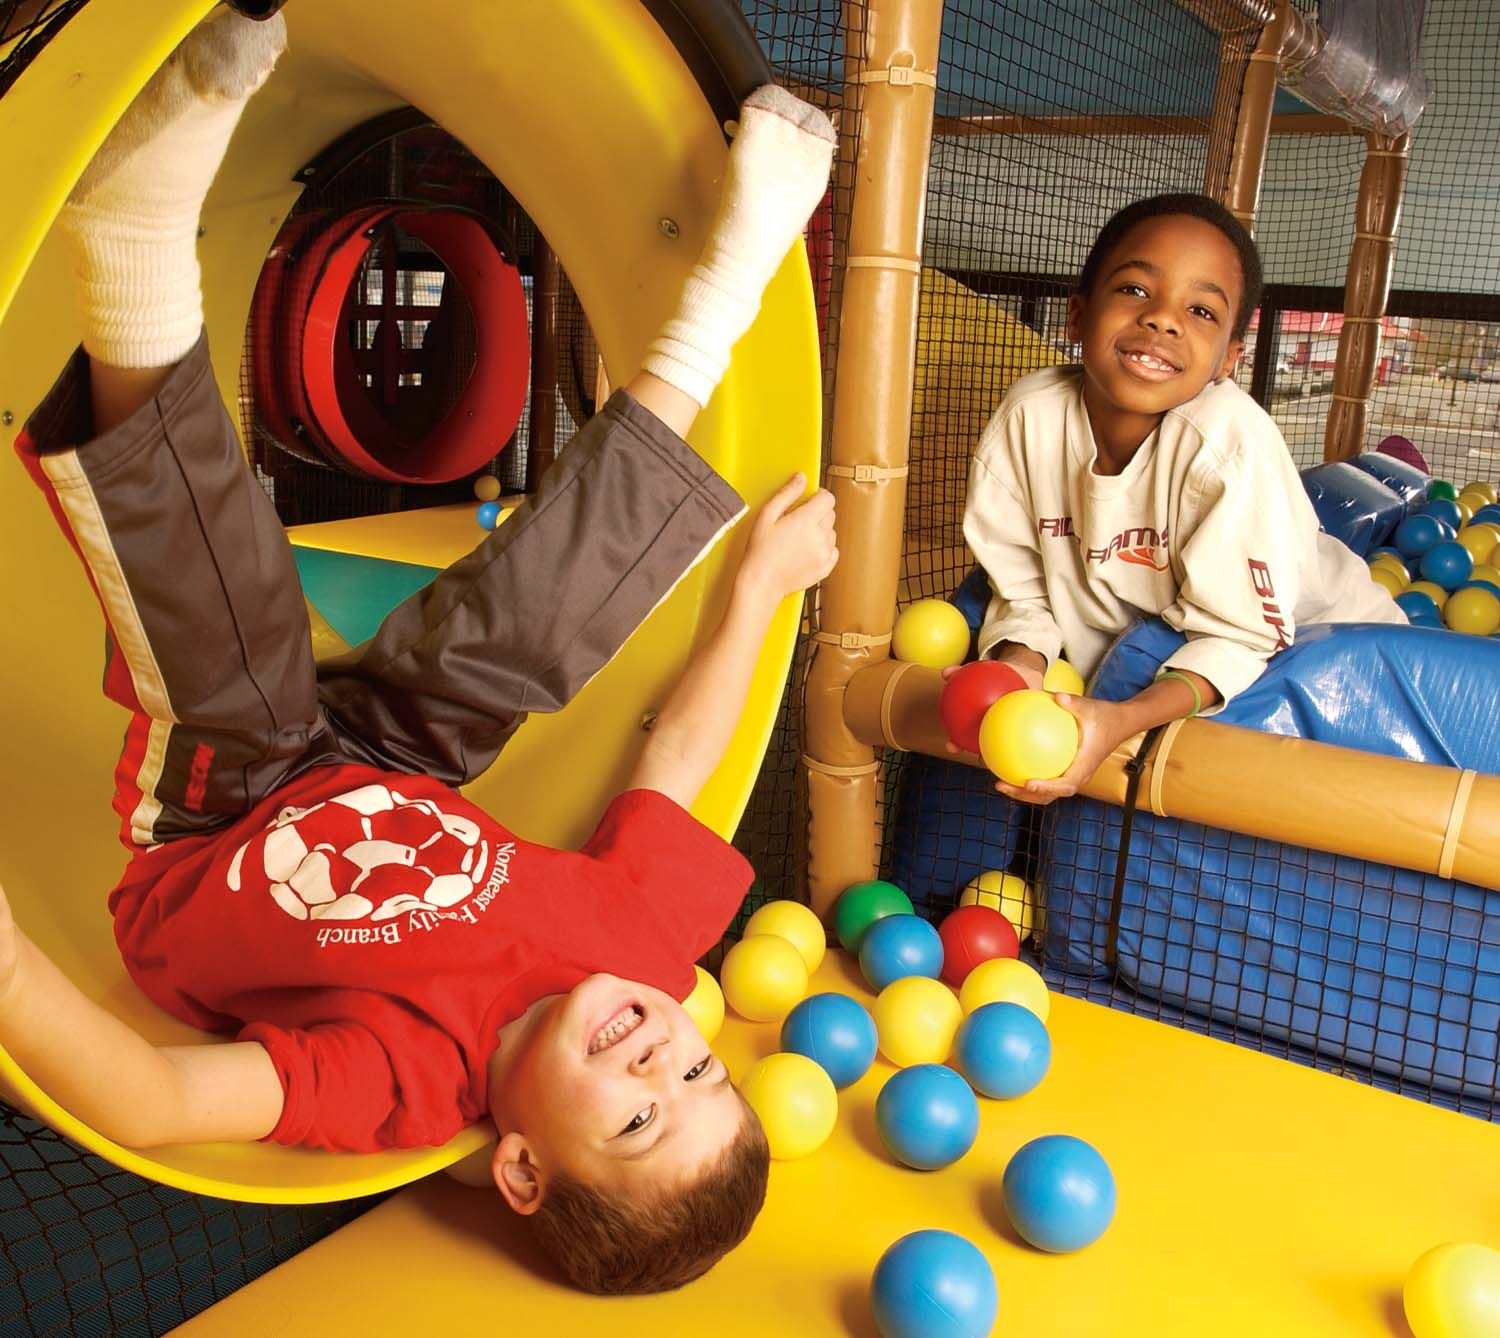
(1246, 169)
(1447, 823)
(1367, 288)
(892, 91)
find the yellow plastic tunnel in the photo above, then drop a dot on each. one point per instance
(605, 121)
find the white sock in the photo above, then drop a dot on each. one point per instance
(132, 220)
(778, 171)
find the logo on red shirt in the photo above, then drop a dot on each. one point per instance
(372, 856)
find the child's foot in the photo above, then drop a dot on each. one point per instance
(778, 171)
(133, 217)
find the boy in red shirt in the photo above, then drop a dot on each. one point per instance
(394, 964)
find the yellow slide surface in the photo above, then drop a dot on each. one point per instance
(1257, 1199)
(589, 116)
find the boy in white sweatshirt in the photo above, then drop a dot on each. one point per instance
(1145, 482)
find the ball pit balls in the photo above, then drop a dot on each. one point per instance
(1486, 571)
(861, 905)
(834, 1031)
(1027, 736)
(797, 924)
(927, 1116)
(1005, 980)
(1003, 1050)
(1445, 510)
(931, 632)
(915, 1021)
(1007, 893)
(1416, 534)
(1059, 1193)
(1062, 677)
(1473, 610)
(488, 515)
(1492, 586)
(969, 694)
(763, 978)
(705, 1005)
(1417, 604)
(486, 488)
(1432, 590)
(1488, 514)
(1427, 620)
(1392, 582)
(1447, 564)
(974, 934)
(1453, 1291)
(795, 1101)
(1479, 540)
(1393, 561)
(898, 946)
(1441, 489)
(934, 1284)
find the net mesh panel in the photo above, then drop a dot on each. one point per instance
(90, 1251)
(423, 165)
(26, 26)
(805, 41)
(1438, 382)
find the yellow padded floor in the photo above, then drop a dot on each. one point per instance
(1257, 1199)
(432, 537)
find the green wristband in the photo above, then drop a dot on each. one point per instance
(1192, 687)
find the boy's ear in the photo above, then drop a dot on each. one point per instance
(1075, 316)
(1231, 359)
(517, 1176)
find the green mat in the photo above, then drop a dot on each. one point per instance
(354, 593)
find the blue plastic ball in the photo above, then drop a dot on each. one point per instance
(1003, 1050)
(927, 1115)
(1059, 1193)
(1416, 534)
(1446, 511)
(834, 1031)
(1486, 585)
(1448, 564)
(1418, 604)
(1428, 620)
(1489, 514)
(933, 1284)
(899, 946)
(488, 515)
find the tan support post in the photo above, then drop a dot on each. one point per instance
(892, 91)
(1245, 172)
(1367, 288)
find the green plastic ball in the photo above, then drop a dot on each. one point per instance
(864, 903)
(1441, 488)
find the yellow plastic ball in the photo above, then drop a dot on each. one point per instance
(705, 1005)
(797, 924)
(1438, 595)
(1008, 893)
(1472, 610)
(931, 632)
(1388, 560)
(1026, 736)
(1062, 677)
(1453, 1291)
(1479, 540)
(1486, 571)
(1386, 578)
(486, 487)
(1485, 489)
(796, 1102)
(1005, 980)
(1467, 506)
(763, 978)
(916, 1019)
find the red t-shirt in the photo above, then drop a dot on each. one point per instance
(374, 931)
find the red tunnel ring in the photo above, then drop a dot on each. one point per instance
(324, 389)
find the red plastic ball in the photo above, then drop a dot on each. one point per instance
(969, 694)
(975, 934)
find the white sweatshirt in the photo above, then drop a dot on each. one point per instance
(1207, 526)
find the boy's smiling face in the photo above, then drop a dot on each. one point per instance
(1156, 326)
(611, 1084)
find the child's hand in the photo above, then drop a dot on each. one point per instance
(792, 544)
(1102, 727)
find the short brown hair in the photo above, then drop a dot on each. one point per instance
(615, 1246)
